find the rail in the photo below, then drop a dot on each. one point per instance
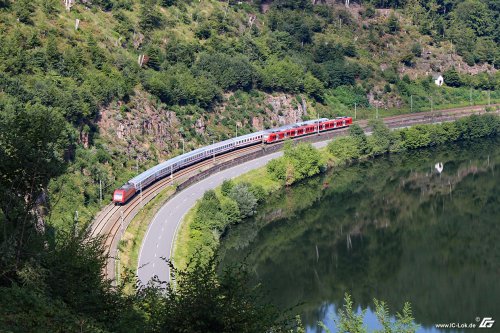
(113, 220)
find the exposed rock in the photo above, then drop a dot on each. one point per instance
(285, 109)
(199, 126)
(144, 130)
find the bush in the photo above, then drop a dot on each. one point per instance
(229, 72)
(284, 75)
(359, 136)
(416, 49)
(452, 78)
(344, 149)
(246, 200)
(227, 186)
(299, 162)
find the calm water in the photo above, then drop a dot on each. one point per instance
(394, 229)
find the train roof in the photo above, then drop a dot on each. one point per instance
(290, 126)
(146, 174)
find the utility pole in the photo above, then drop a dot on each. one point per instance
(100, 191)
(182, 146)
(355, 111)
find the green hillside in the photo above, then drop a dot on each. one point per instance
(95, 93)
(214, 66)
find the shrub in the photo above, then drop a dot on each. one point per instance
(227, 186)
(245, 199)
(299, 162)
(344, 149)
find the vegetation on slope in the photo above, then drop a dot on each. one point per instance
(218, 62)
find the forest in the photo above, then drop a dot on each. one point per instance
(61, 70)
(221, 64)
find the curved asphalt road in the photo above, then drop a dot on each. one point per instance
(160, 236)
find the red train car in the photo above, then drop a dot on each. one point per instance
(123, 194)
(306, 128)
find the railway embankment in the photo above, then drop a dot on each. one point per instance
(113, 220)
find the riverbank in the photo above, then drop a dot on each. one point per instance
(357, 146)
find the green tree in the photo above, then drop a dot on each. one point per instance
(475, 15)
(344, 149)
(452, 78)
(358, 134)
(154, 61)
(393, 24)
(149, 16)
(313, 87)
(52, 54)
(227, 186)
(32, 142)
(297, 163)
(229, 72)
(282, 75)
(24, 10)
(381, 139)
(246, 200)
(231, 210)
(416, 49)
(98, 58)
(206, 301)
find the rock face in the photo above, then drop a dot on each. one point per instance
(143, 130)
(285, 109)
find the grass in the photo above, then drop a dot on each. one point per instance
(130, 244)
(182, 239)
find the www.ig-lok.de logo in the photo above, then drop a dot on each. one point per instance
(487, 322)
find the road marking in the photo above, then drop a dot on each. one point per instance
(157, 244)
(155, 255)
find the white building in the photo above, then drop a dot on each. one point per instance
(438, 79)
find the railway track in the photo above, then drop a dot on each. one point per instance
(113, 220)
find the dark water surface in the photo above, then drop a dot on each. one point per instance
(394, 229)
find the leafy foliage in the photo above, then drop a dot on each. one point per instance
(382, 140)
(350, 321)
(204, 301)
(297, 163)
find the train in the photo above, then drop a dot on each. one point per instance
(270, 136)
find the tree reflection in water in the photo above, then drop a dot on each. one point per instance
(392, 228)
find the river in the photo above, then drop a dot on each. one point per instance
(422, 226)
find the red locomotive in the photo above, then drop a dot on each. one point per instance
(121, 195)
